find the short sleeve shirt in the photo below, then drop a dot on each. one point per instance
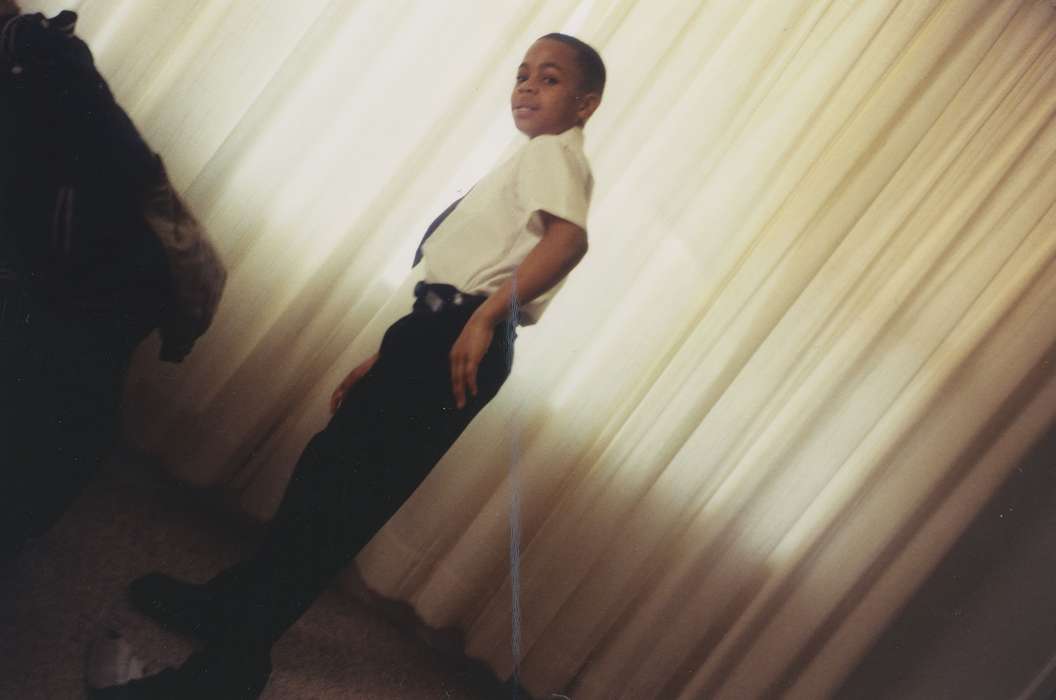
(495, 226)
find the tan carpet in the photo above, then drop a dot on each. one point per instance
(68, 587)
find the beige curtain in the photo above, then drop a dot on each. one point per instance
(813, 333)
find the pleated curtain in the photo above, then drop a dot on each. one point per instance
(813, 333)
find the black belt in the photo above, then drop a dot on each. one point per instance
(444, 297)
(438, 297)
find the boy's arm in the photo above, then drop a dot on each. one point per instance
(562, 247)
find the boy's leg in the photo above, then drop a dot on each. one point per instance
(392, 428)
(354, 475)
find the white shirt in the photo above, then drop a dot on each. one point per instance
(497, 224)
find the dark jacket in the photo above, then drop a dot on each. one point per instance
(72, 213)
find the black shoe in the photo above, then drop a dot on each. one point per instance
(210, 674)
(187, 608)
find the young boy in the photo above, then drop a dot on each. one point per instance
(494, 262)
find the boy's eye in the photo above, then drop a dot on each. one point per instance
(522, 78)
(550, 80)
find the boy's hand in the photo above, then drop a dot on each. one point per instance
(466, 354)
(354, 376)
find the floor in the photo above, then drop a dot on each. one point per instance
(67, 589)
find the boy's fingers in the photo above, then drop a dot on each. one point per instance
(471, 379)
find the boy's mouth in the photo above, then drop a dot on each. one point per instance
(521, 110)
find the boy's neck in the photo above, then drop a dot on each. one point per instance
(571, 128)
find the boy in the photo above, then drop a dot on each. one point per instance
(494, 262)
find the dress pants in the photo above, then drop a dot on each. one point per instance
(391, 429)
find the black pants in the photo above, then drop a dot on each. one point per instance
(392, 428)
(60, 389)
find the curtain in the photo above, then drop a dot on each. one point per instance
(813, 333)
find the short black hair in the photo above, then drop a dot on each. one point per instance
(589, 61)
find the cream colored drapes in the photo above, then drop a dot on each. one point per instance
(812, 335)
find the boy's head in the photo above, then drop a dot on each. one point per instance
(559, 85)
(9, 7)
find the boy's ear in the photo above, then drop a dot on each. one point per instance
(587, 104)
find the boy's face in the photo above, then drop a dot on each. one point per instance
(548, 97)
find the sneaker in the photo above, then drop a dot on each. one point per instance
(211, 674)
(188, 608)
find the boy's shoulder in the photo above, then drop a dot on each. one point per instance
(554, 162)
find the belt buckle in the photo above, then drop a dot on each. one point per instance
(433, 301)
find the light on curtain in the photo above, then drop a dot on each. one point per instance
(812, 335)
